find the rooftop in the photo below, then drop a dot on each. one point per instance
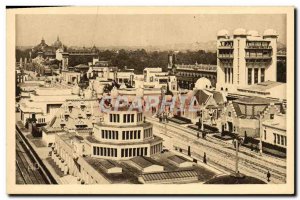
(175, 175)
(279, 122)
(143, 162)
(100, 165)
(263, 86)
(255, 100)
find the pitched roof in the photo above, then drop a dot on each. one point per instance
(169, 175)
(143, 162)
(202, 96)
(237, 109)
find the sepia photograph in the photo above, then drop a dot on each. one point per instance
(150, 100)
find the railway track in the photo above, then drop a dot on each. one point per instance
(25, 167)
(29, 167)
(223, 157)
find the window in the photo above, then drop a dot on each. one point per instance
(122, 153)
(229, 114)
(101, 151)
(281, 139)
(115, 152)
(256, 75)
(127, 135)
(265, 134)
(278, 139)
(128, 118)
(262, 75)
(229, 74)
(124, 118)
(249, 76)
(225, 75)
(95, 150)
(271, 116)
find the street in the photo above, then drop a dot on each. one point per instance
(219, 153)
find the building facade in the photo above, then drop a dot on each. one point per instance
(245, 58)
(123, 135)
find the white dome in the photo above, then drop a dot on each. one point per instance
(239, 31)
(202, 83)
(223, 32)
(270, 32)
(253, 33)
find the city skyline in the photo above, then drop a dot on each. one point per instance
(154, 30)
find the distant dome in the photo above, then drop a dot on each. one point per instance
(76, 90)
(57, 44)
(223, 32)
(202, 83)
(239, 31)
(270, 32)
(253, 33)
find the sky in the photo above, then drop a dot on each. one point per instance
(138, 30)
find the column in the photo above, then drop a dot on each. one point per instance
(252, 76)
(231, 69)
(259, 74)
(227, 74)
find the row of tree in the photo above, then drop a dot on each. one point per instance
(140, 58)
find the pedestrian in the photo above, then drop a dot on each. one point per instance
(204, 158)
(203, 135)
(268, 176)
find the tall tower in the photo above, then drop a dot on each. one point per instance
(245, 58)
(171, 63)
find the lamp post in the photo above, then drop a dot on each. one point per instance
(202, 116)
(237, 143)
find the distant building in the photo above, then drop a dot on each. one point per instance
(244, 115)
(156, 78)
(245, 58)
(273, 131)
(44, 102)
(187, 75)
(268, 89)
(202, 98)
(77, 115)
